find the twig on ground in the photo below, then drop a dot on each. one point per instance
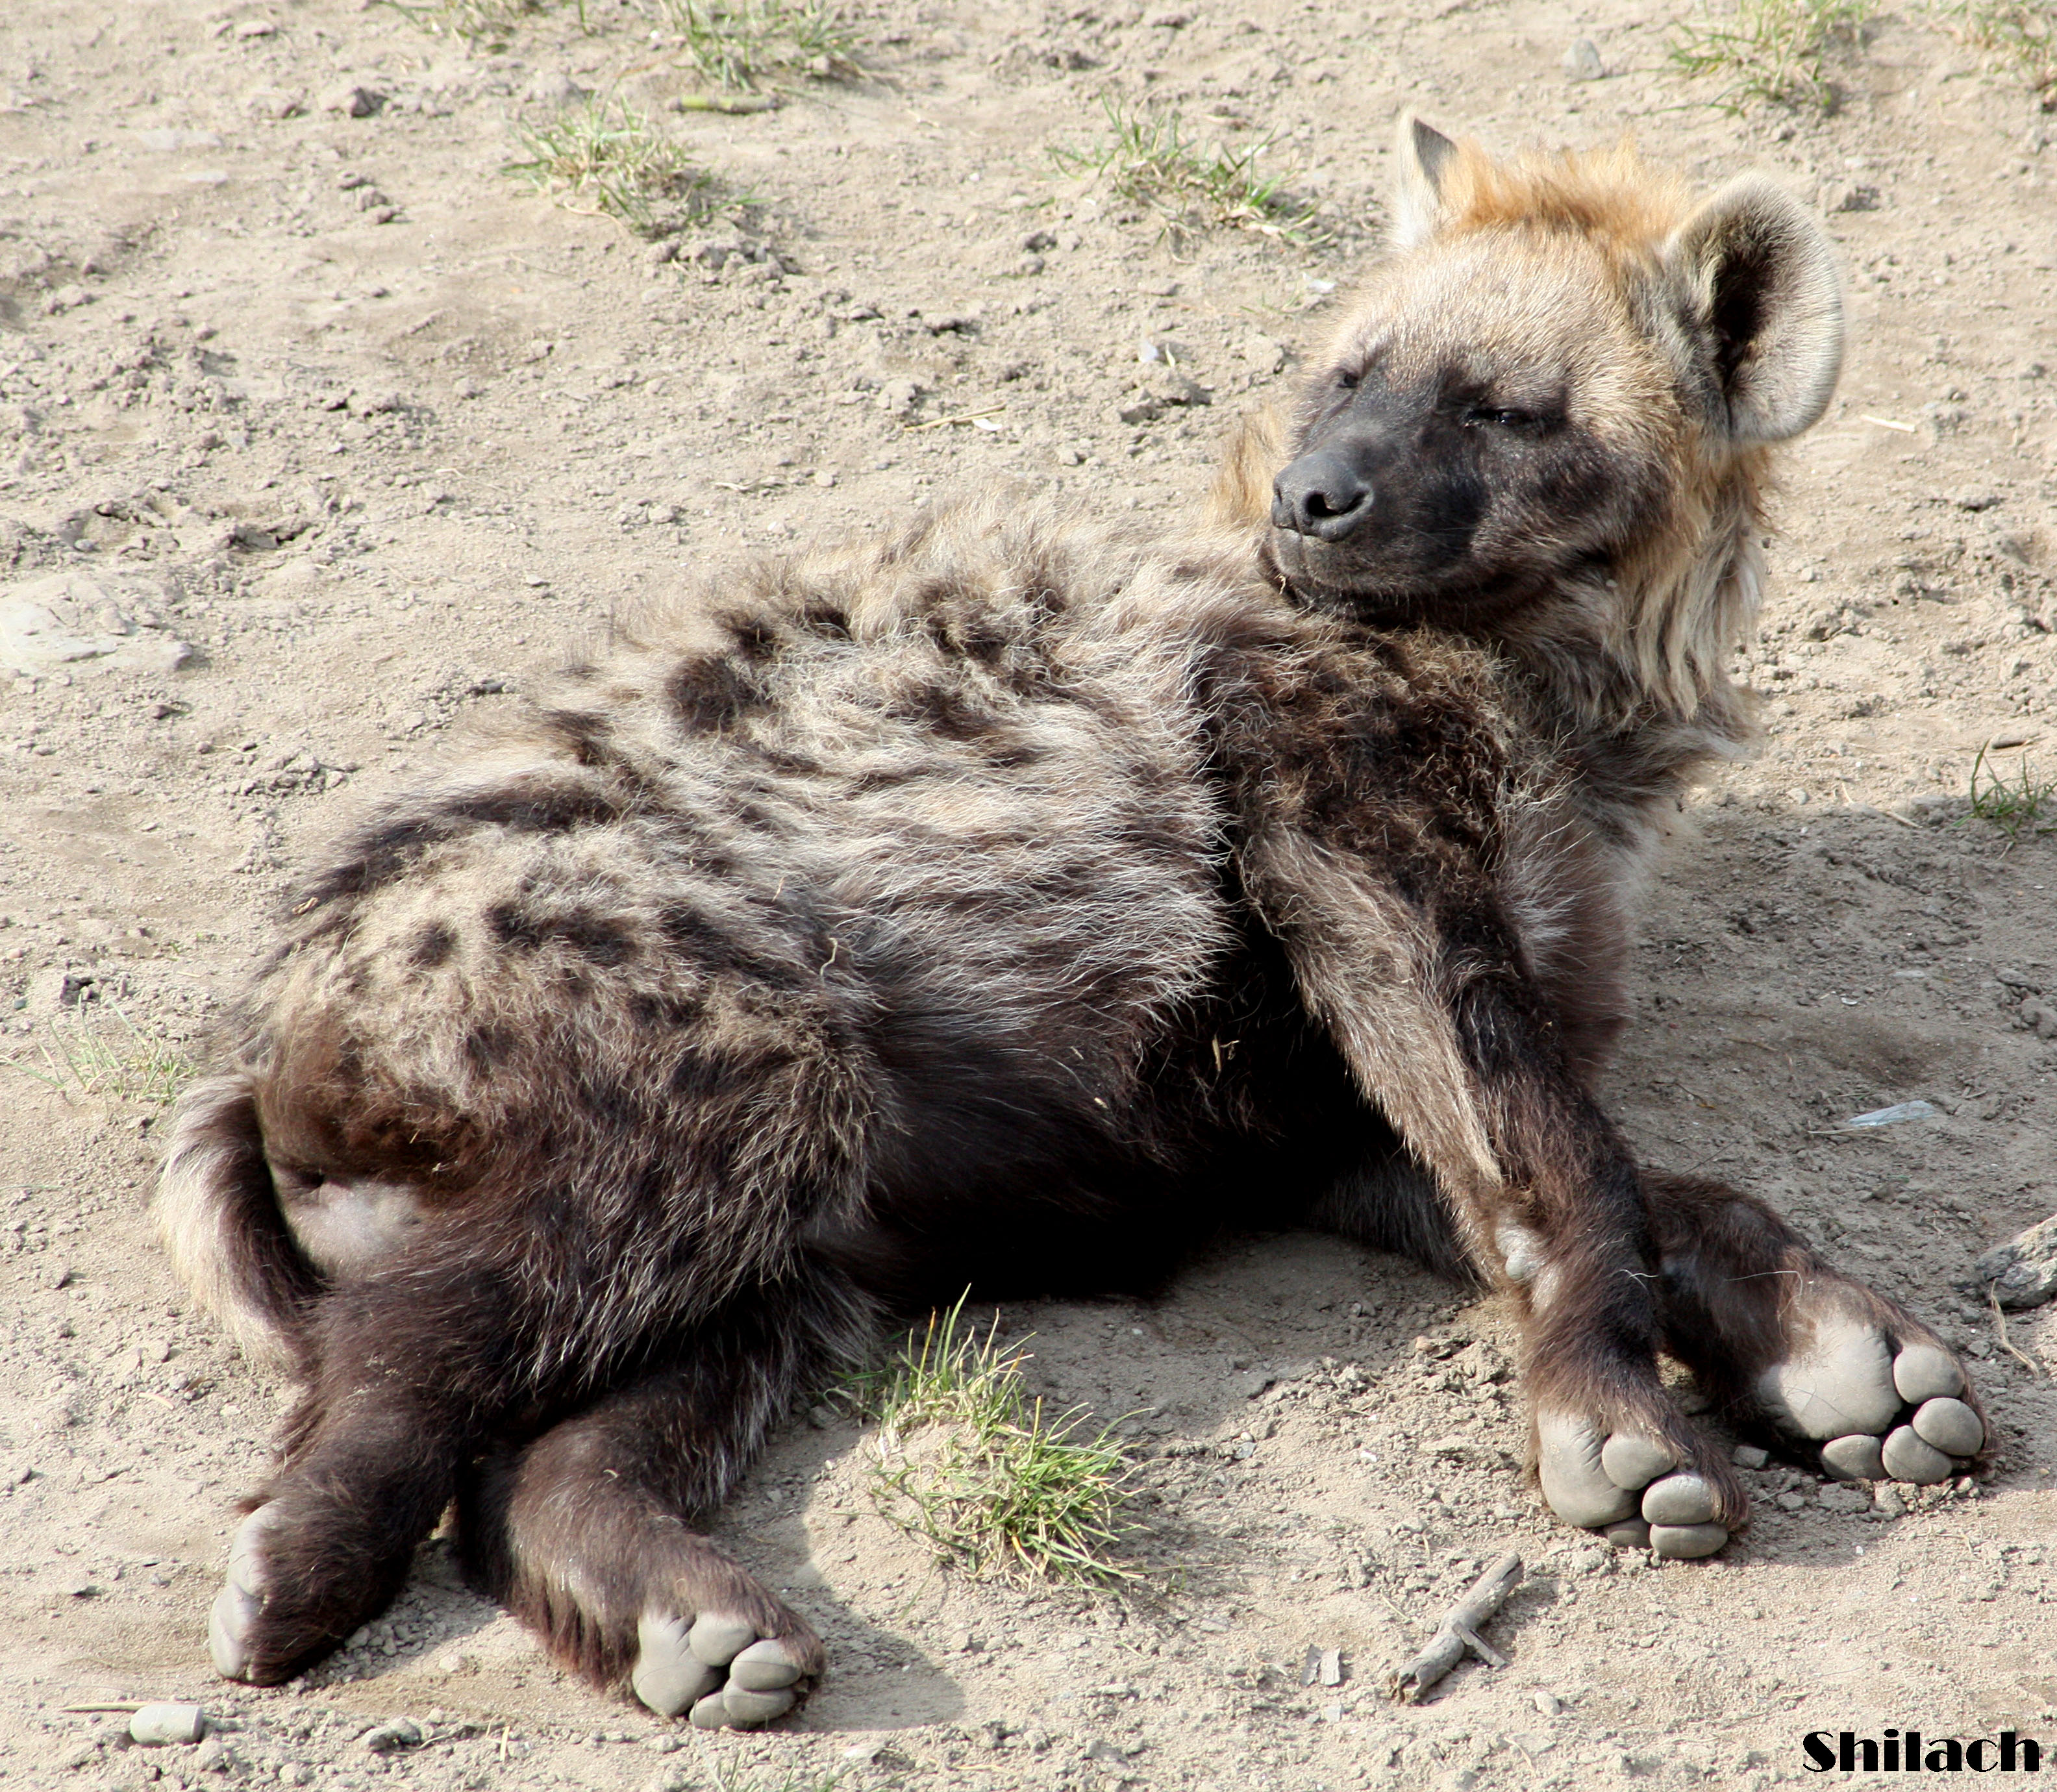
(1459, 1631)
(2007, 1344)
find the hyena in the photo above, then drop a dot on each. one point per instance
(1012, 903)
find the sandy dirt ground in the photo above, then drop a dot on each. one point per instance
(329, 435)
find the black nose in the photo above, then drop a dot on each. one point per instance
(1322, 494)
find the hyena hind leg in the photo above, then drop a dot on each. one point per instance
(1781, 1338)
(586, 1532)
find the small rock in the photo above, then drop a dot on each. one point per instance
(1262, 352)
(1749, 1456)
(1250, 1383)
(1846, 196)
(1844, 1497)
(154, 1725)
(897, 397)
(820, 1417)
(352, 100)
(1893, 1115)
(393, 1737)
(1790, 1502)
(552, 87)
(2022, 1272)
(1582, 60)
(69, 622)
(1546, 1704)
(274, 102)
(1976, 499)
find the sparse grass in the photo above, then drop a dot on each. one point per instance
(1767, 51)
(2013, 808)
(2021, 34)
(740, 44)
(973, 1466)
(605, 156)
(106, 1055)
(1149, 160)
(486, 24)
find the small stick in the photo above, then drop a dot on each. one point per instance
(1459, 1631)
(2006, 1343)
(961, 417)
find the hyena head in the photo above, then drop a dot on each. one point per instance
(1559, 379)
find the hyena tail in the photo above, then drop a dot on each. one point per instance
(218, 1214)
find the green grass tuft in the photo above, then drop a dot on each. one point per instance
(1768, 51)
(605, 156)
(2019, 34)
(1148, 159)
(2015, 808)
(484, 24)
(741, 44)
(976, 1468)
(104, 1056)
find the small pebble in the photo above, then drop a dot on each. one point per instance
(391, 1738)
(1582, 60)
(154, 1725)
(1749, 1456)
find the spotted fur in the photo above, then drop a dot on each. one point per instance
(1014, 901)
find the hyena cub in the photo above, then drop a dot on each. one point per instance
(1013, 903)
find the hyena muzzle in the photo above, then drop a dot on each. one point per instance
(1014, 902)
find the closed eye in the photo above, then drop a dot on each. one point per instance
(1504, 416)
(1348, 380)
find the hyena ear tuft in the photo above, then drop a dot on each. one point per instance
(1424, 157)
(1760, 278)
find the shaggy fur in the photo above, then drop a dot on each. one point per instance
(1014, 903)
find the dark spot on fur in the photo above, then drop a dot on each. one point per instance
(666, 1011)
(514, 926)
(432, 946)
(489, 1047)
(710, 944)
(384, 851)
(830, 619)
(601, 940)
(709, 690)
(583, 734)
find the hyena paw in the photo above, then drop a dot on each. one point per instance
(1597, 1478)
(233, 1624)
(722, 1668)
(1883, 1406)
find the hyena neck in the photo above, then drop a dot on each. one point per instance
(1629, 671)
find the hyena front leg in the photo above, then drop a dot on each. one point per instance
(1448, 1035)
(586, 1533)
(1782, 1338)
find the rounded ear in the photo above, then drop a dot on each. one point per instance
(1758, 280)
(1423, 156)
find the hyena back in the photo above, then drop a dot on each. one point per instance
(1014, 902)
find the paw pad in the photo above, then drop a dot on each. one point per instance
(1609, 1482)
(715, 1666)
(1852, 1394)
(234, 1614)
